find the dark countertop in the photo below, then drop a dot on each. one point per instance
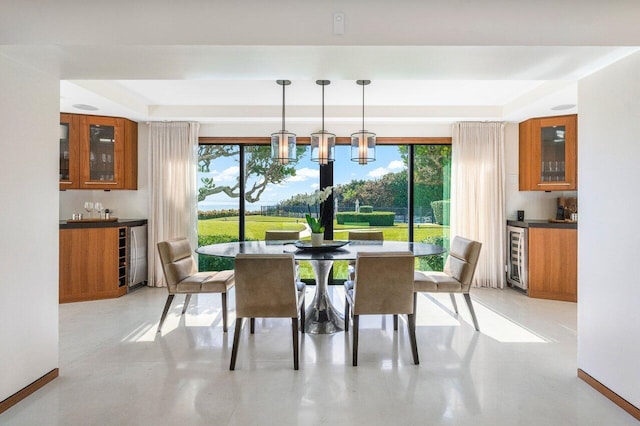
(115, 224)
(538, 223)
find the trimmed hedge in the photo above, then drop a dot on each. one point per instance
(365, 209)
(441, 211)
(215, 214)
(214, 263)
(373, 219)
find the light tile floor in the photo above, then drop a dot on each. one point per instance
(115, 369)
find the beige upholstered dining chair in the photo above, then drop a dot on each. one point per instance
(281, 235)
(383, 285)
(364, 236)
(182, 276)
(456, 277)
(266, 288)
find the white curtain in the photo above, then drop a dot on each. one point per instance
(477, 195)
(173, 151)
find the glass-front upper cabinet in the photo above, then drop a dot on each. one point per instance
(548, 148)
(69, 175)
(101, 150)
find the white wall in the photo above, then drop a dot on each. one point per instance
(608, 239)
(125, 204)
(29, 218)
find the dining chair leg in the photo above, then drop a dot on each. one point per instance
(294, 330)
(224, 312)
(356, 323)
(236, 340)
(187, 299)
(303, 317)
(395, 322)
(165, 311)
(252, 325)
(467, 297)
(412, 338)
(453, 302)
(346, 315)
(415, 303)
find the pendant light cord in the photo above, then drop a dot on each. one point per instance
(283, 128)
(323, 108)
(363, 107)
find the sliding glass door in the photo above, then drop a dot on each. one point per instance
(242, 193)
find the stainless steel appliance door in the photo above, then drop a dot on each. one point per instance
(137, 255)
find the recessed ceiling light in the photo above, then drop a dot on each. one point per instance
(85, 107)
(563, 107)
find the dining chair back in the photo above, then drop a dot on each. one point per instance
(383, 285)
(367, 235)
(281, 235)
(266, 288)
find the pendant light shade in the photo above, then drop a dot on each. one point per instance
(323, 143)
(283, 143)
(363, 143)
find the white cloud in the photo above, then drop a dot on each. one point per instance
(396, 165)
(229, 174)
(379, 172)
(315, 186)
(391, 167)
(303, 174)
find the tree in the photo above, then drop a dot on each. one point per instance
(260, 170)
(431, 163)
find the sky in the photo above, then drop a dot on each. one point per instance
(224, 171)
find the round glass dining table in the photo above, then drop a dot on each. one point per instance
(321, 316)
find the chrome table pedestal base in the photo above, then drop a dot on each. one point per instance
(321, 316)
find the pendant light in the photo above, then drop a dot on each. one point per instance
(323, 143)
(363, 143)
(283, 143)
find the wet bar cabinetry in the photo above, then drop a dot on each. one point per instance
(551, 251)
(548, 154)
(98, 152)
(92, 263)
(95, 259)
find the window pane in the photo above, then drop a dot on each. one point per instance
(432, 190)
(370, 197)
(268, 184)
(218, 200)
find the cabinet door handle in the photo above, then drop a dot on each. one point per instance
(555, 184)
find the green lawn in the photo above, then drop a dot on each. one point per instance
(255, 227)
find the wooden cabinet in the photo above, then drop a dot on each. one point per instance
(548, 154)
(553, 264)
(102, 152)
(69, 151)
(93, 263)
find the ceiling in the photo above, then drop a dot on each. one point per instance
(417, 84)
(217, 61)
